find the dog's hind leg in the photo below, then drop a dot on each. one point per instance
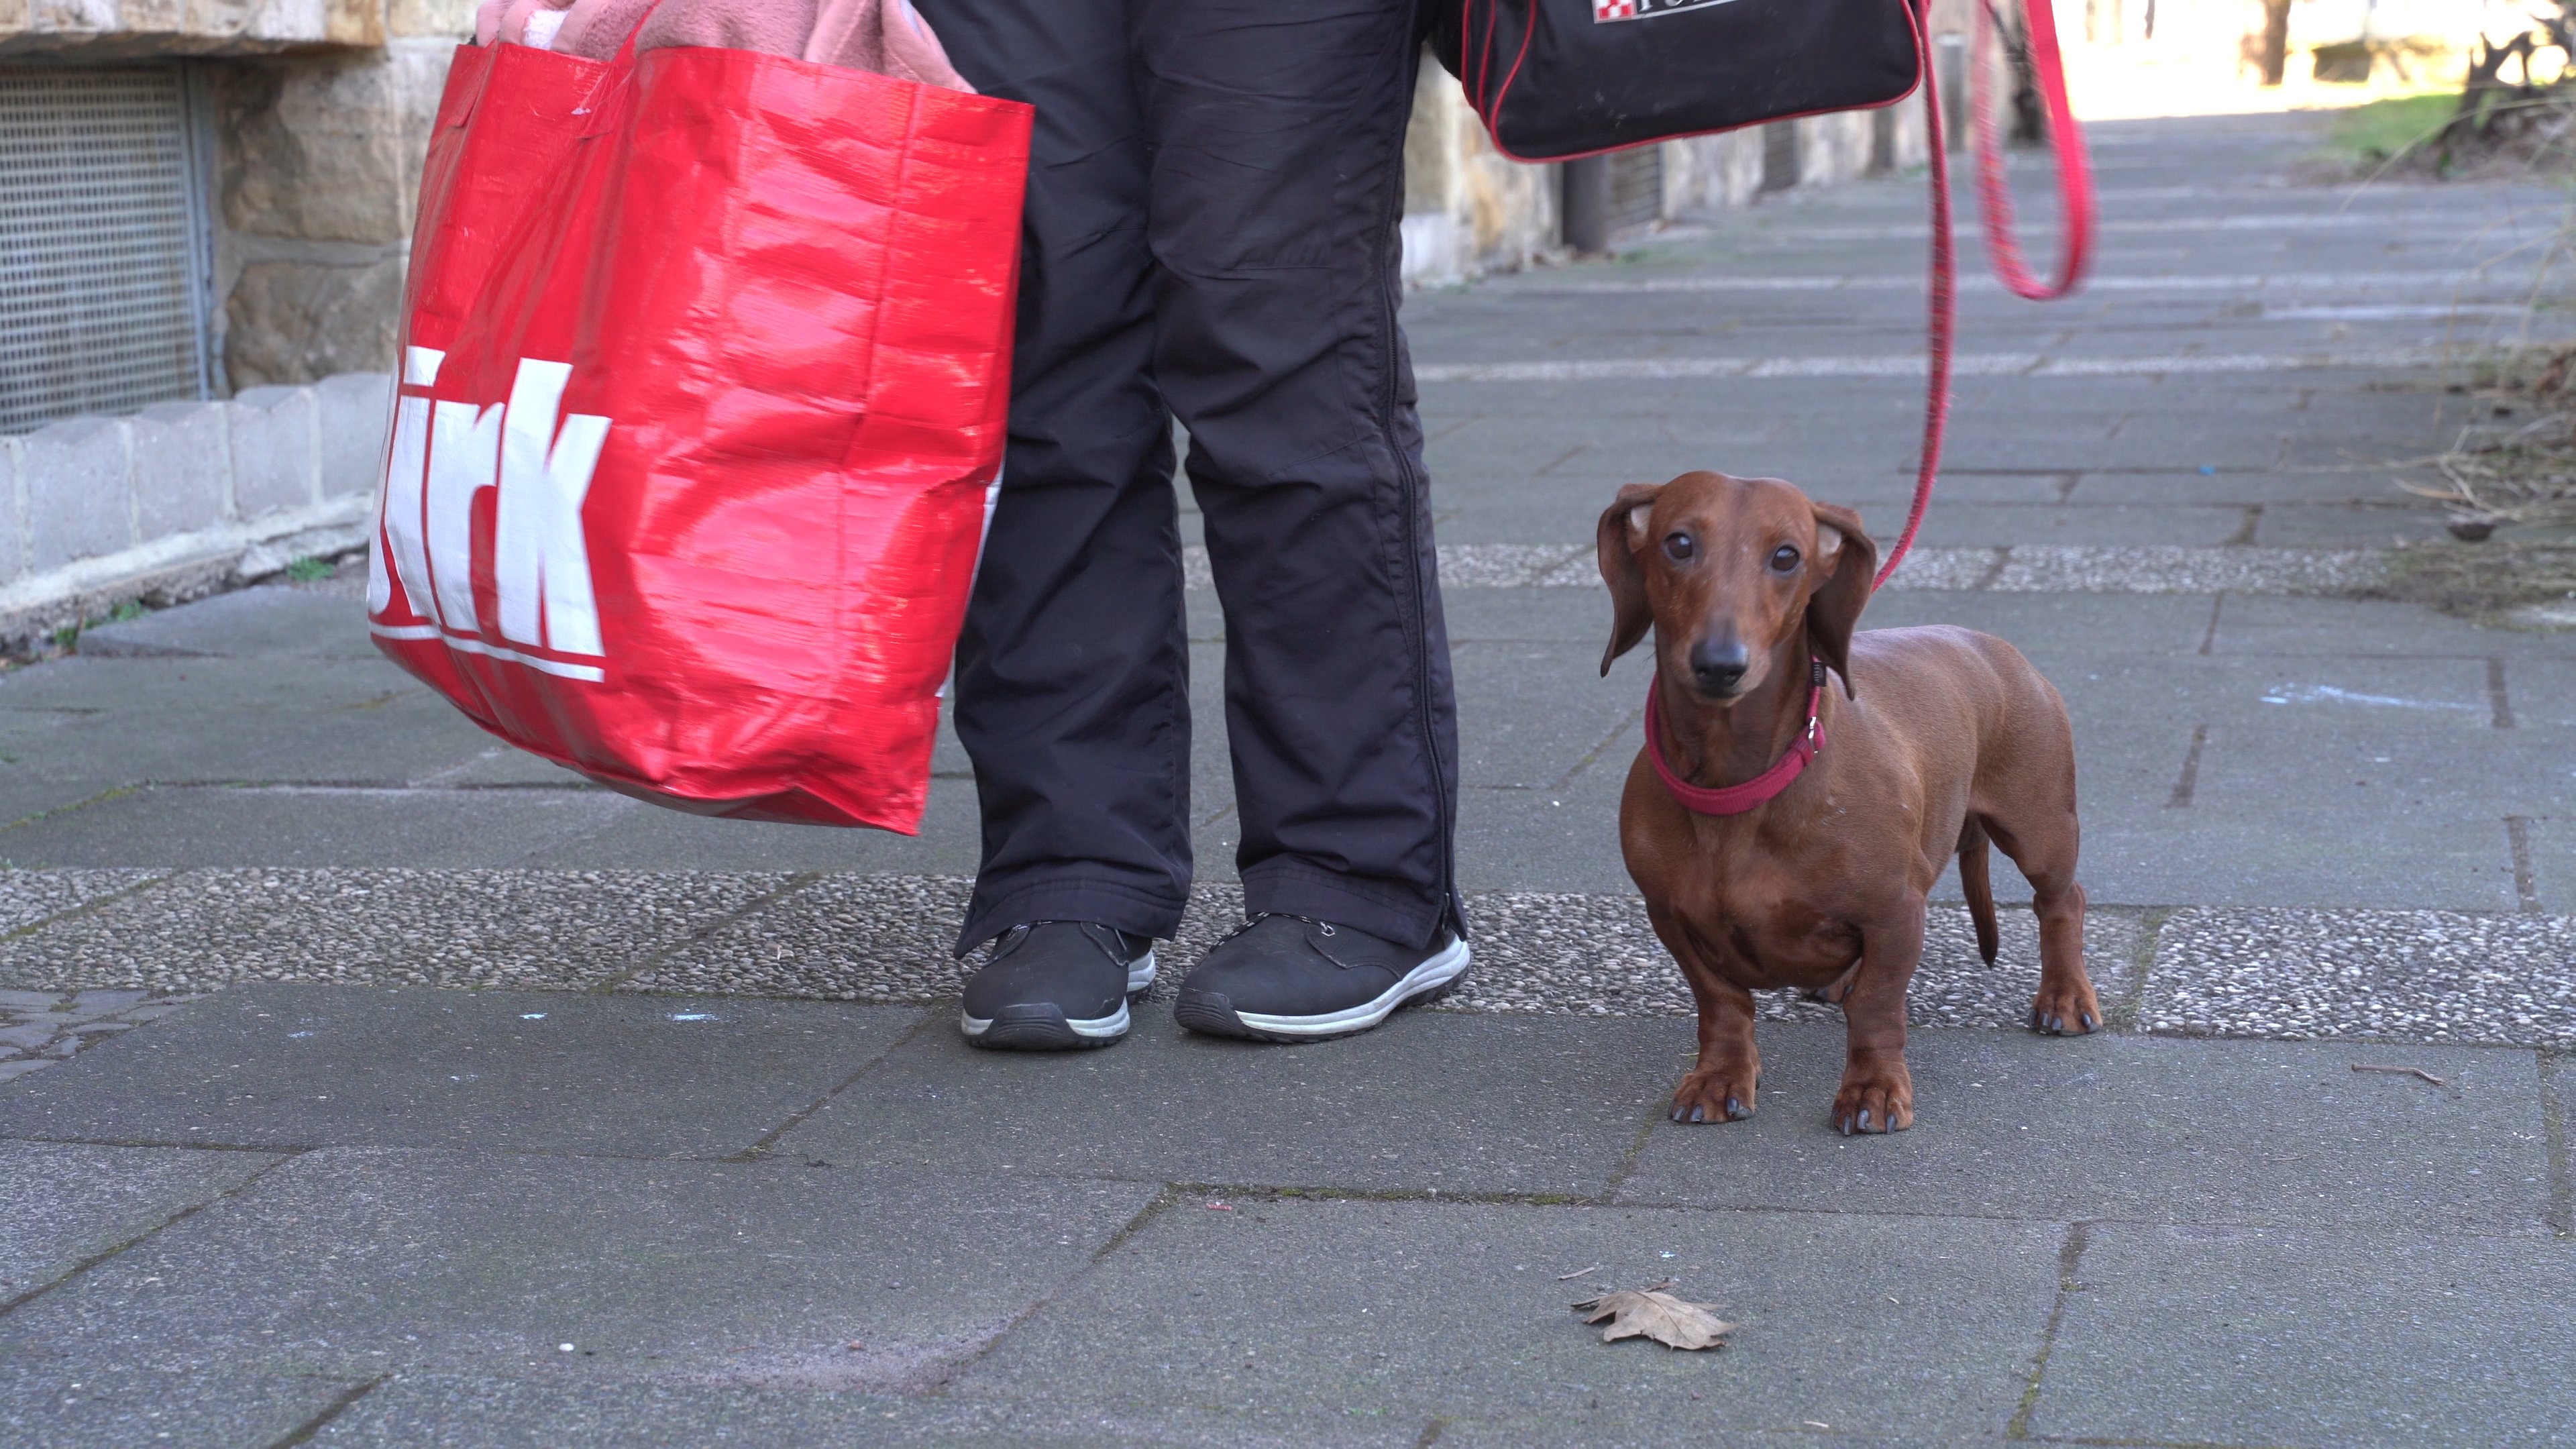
(1979, 888)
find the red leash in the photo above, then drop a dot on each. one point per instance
(1994, 193)
(2003, 250)
(2074, 171)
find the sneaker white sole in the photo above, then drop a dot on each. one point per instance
(1140, 977)
(1435, 972)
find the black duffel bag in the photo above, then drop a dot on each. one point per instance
(1558, 79)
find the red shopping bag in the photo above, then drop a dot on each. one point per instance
(705, 373)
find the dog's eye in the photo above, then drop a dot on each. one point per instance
(1784, 558)
(1679, 546)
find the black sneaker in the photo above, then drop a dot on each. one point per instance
(1288, 979)
(1052, 986)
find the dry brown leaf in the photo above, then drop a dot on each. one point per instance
(1656, 1315)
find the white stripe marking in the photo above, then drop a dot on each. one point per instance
(1913, 282)
(1975, 364)
(590, 673)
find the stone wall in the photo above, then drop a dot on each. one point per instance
(319, 173)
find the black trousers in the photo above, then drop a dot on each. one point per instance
(1212, 233)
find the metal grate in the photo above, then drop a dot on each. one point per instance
(100, 307)
(1636, 187)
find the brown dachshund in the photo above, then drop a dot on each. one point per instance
(1844, 807)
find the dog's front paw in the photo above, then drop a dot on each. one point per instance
(2066, 1008)
(1874, 1103)
(1722, 1093)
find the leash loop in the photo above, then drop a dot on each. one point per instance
(2075, 186)
(2065, 141)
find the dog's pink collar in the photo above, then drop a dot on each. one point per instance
(1737, 799)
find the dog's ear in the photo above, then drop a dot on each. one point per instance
(1623, 527)
(1833, 610)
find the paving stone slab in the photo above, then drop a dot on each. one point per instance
(363, 1261)
(428, 1410)
(47, 1403)
(1384, 1313)
(652, 839)
(2115, 1126)
(267, 622)
(2384, 975)
(28, 792)
(2327, 859)
(1429, 1101)
(2260, 625)
(554, 929)
(2313, 1336)
(2050, 623)
(335, 721)
(1530, 714)
(185, 827)
(61, 1204)
(308, 1066)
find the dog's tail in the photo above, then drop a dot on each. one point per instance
(1979, 889)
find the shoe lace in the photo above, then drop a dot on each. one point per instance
(1258, 917)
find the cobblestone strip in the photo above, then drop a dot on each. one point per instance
(2284, 974)
(2026, 569)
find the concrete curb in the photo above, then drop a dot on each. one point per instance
(182, 499)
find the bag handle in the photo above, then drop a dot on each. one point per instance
(2065, 139)
(605, 107)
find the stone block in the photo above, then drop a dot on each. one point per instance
(328, 148)
(276, 450)
(441, 18)
(13, 531)
(75, 16)
(182, 468)
(79, 491)
(295, 321)
(354, 407)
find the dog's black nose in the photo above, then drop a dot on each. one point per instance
(1718, 665)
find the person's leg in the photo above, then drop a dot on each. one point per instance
(1071, 690)
(1277, 188)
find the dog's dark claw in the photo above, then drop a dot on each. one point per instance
(1864, 1119)
(1735, 1108)
(2089, 1023)
(1699, 1114)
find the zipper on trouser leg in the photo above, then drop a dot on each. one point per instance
(1409, 487)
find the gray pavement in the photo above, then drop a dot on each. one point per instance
(363, 1081)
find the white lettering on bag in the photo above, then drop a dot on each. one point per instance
(441, 455)
(540, 559)
(464, 454)
(398, 503)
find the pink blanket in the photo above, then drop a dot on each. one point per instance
(885, 36)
